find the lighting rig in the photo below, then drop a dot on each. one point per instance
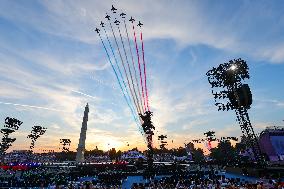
(227, 79)
(11, 125)
(148, 129)
(36, 132)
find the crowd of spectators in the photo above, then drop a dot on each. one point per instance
(48, 177)
(193, 182)
(204, 178)
(113, 178)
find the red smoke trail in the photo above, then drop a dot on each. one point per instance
(141, 82)
(145, 79)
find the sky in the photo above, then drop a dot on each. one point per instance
(51, 59)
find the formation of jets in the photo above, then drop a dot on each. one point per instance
(117, 22)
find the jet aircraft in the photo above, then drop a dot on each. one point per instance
(139, 24)
(122, 15)
(97, 30)
(132, 19)
(113, 9)
(107, 17)
(116, 22)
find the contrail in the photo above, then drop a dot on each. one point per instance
(123, 65)
(132, 58)
(144, 64)
(139, 66)
(119, 71)
(29, 106)
(131, 77)
(119, 82)
(96, 98)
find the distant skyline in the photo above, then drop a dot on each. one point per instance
(52, 64)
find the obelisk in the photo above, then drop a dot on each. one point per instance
(81, 146)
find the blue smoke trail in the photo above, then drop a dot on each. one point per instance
(119, 82)
(120, 73)
(116, 62)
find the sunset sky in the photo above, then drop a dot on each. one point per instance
(52, 60)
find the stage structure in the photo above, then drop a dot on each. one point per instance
(124, 46)
(11, 125)
(81, 146)
(226, 80)
(271, 141)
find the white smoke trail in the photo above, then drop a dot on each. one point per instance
(90, 96)
(30, 106)
(96, 98)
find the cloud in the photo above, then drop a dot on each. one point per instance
(263, 102)
(192, 23)
(8, 91)
(33, 91)
(50, 57)
(237, 28)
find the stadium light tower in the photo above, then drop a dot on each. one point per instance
(227, 80)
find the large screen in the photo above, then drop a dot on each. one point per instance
(278, 144)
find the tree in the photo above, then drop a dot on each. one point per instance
(224, 154)
(112, 154)
(198, 155)
(161, 151)
(118, 154)
(179, 152)
(95, 152)
(135, 149)
(66, 156)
